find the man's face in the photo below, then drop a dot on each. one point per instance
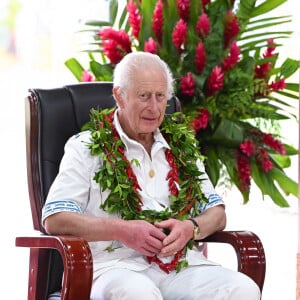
(144, 107)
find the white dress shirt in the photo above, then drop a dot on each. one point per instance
(74, 189)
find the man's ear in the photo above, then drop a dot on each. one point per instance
(118, 96)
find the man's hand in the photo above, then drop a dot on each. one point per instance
(180, 233)
(142, 237)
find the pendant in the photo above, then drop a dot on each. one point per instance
(151, 173)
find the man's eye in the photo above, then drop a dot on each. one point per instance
(143, 95)
(160, 96)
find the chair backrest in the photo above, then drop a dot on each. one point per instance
(52, 117)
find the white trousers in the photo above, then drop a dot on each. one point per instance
(199, 282)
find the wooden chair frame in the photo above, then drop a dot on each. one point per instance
(74, 274)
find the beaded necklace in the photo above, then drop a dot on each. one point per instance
(117, 175)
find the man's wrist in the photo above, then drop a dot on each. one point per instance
(196, 229)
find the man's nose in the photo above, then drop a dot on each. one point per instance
(153, 103)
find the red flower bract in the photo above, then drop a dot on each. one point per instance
(270, 49)
(87, 76)
(244, 172)
(150, 46)
(187, 84)
(232, 58)
(273, 143)
(247, 148)
(263, 159)
(215, 81)
(203, 26)
(115, 43)
(134, 18)
(232, 28)
(200, 57)
(179, 35)
(158, 20)
(277, 85)
(184, 9)
(201, 120)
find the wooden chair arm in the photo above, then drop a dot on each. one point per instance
(249, 250)
(77, 262)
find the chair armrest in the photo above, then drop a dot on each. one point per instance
(249, 250)
(77, 262)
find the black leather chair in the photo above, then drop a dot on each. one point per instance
(65, 262)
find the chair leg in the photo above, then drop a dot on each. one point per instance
(37, 267)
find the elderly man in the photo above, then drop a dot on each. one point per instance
(122, 187)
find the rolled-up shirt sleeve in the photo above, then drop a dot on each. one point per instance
(70, 189)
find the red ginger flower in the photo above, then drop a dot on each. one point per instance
(268, 140)
(184, 9)
(134, 18)
(87, 76)
(200, 57)
(150, 46)
(247, 148)
(115, 43)
(203, 26)
(263, 70)
(233, 57)
(277, 85)
(201, 120)
(215, 81)
(263, 159)
(187, 84)
(120, 36)
(270, 49)
(179, 34)
(273, 143)
(232, 28)
(110, 49)
(158, 20)
(244, 172)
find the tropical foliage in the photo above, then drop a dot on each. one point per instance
(228, 73)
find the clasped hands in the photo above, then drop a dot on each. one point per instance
(150, 239)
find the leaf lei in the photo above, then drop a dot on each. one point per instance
(116, 173)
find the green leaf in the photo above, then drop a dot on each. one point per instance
(265, 7)
(96, 23)
(102, 72)
(289, 67)
(267, 186)
(228, 133)
(113, 11)
(75, 67)
(212, 165)
(288, 185)
(281, 160)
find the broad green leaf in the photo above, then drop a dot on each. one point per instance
(288, 185)
(283, 161)
(75, 67)
(212, 166)
(289, 67)
(267, 186)
(265, 7)
(230, 133)
(102, 72)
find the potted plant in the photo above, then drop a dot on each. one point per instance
(225, 61)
